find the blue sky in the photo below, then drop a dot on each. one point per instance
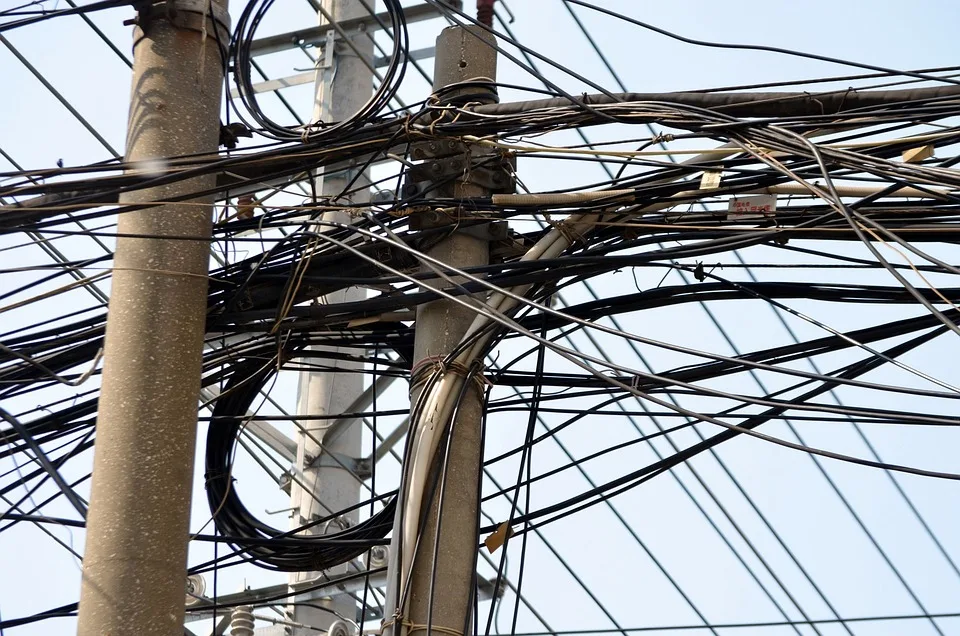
(36, 131)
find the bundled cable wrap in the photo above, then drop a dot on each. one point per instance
(256, 541)
(242, 61)
(850, 165)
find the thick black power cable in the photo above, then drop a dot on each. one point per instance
(73, 10)
(610, 68)
(759, 47)
(44, 461)
(559, 272)
(245, 28)
(259, 542)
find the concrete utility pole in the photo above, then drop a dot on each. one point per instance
(342, 88)
(134, 569)
(462, 54)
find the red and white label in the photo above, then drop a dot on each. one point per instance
(755, 206)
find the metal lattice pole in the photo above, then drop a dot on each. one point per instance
(344, 84)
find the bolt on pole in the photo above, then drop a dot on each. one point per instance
(134, 569)
(462, 54)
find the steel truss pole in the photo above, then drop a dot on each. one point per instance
(344, 84)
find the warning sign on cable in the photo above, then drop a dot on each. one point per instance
(755, 206)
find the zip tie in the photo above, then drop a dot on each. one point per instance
(418, 627)
(567, 232)
(421, 372)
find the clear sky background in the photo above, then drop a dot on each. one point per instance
(784, 485)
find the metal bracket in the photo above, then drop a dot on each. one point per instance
(446, 160)
(361, 467)
(329, 44)
(332, 459)
(202, 16)
(503, 243)
(286, 481)
(437, 148)
(493, 231)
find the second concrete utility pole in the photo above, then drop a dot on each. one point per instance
(441, 580)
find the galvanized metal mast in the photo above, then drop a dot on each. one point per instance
(325, 451)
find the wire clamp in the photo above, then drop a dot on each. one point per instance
(202, 16)
(438, 366)
(446, 163)
(329, 49)
(332, 459)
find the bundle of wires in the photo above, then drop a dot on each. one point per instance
(265, 292)
(242, 61)
(254, 540)
(633, 220)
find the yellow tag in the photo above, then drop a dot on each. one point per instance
(916, 155)
(710, 180)
(359, 322)
(498, 537)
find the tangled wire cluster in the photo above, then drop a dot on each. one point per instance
(846, 202)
